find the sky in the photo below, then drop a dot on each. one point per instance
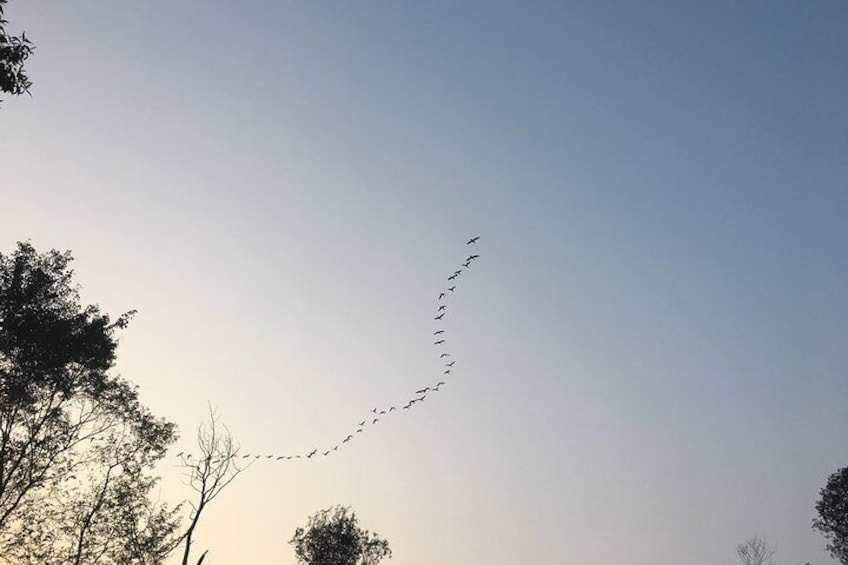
(650, 351)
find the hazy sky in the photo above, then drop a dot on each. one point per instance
(651, 350)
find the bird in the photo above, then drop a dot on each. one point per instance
(453, 276)
(437, 332)
(472, 257)
(440, 316)
(392, 408)
(326, 453)
(314, 451)
(180, 454)
(245, 456)
(281, 457)
(374, 410)
(335, 448)
(359, 431)
(382, 412)
(452, 288)
(466, 264)
(443, 355)
(441, 295)
(450, 364)
(457, 273)
(297, 456)
(442, 307)
(438, 342)
(422, 391)
(440, 383)
(362, 423)
(375, 420)
(269, 457)
(447, 372)
(472, 240)
(407, 406)
(347, 439)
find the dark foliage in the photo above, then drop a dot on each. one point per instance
(76, 446)
(14, 51)
(333, 537)
(832, 520)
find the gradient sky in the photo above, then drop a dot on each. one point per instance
(651, 351)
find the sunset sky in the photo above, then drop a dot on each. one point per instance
(651, 357)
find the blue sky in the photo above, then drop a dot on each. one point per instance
(651, 360)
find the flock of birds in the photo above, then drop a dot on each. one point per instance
(379, 414)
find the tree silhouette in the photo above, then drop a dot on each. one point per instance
(208, 473)
(333, 537)
(755, 551)
(832, 521)
(76, 446)
(14, 51)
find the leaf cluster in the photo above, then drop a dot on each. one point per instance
(832, 508)
(14, 51)
(333, 537)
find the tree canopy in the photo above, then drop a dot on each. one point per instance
(832, 520)
(333, 537)
(76, 445)
(14, 51)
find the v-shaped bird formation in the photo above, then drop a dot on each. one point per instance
(379, 414)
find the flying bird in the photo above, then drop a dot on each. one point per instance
(438, 342)
(442, 307)
(392, 408)
(281, 457)
(422, 391)
(447, 372)
(472, 240)
(440, 383)
(452, 288)
(437, 332)
(347, 439)
(362, 423)
(472, 257)
(326, 453)
(359, 431)
(441, 295)
(450, 364)
(440, 316)
(382, 412)
(453, 276)
(443, 355)
(375, 420)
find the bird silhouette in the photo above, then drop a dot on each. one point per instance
(443, 307)
(446, 372)
(443, 355)
(438, 342)
(440, 316)
(362, 423)
(452, 288)
(326, 453)
(281, 457)
(472, 240)
(422, 391)
(440, 383)
(441, 295)
(437, 332)
(375, 420)
(392, 408)
(453, 276)
(450, 364)
(347, 439)
(359, 431)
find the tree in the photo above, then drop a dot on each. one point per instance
(755, 551)
(14, 51)
(832, 520)
(333, 537)
(76, 445)
(209, 473)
